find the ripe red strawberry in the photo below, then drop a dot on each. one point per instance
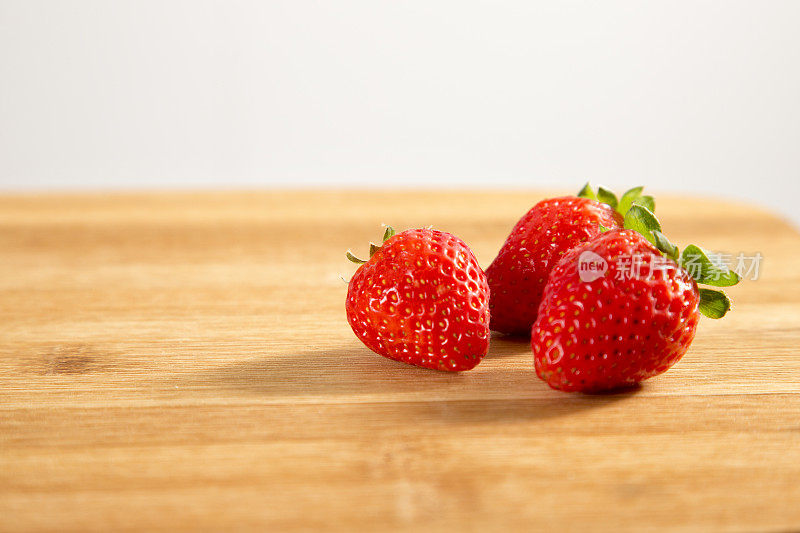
(422, 299)
(518, 274)
(616, 310)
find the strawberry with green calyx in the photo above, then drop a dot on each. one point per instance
(546, 232)
(703, 267)
(421, 298)
(624, 307)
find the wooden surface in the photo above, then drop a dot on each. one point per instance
(182, 361)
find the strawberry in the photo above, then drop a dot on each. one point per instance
(550, 229)
(422, 299)
(623, 307)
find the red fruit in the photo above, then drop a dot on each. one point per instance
(518, 274)
(422, 299)
(634, 321)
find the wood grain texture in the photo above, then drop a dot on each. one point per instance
(182, 361)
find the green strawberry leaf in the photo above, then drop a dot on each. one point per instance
(389, 233)
(587, 192)
(663, 244)
(713, 304)
(627, 199)
(603, 229)
(696, 262)
(353, 258)
(641, 219)
(607, 197)
(646, 201)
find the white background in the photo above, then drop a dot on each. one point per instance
(690, 96)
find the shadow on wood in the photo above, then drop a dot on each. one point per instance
(503, 390)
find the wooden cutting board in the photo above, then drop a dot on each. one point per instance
(182, 361)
